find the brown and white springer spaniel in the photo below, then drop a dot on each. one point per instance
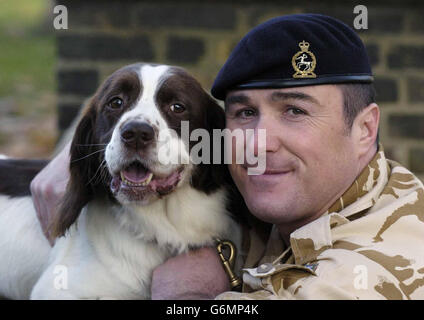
(124, 211)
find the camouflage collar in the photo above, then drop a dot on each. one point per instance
(310, 240)
(381, 183)
(365, 190)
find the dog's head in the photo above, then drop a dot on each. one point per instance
(129, 143)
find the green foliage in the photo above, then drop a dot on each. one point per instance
(27, 52)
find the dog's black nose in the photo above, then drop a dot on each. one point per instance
(137, 135)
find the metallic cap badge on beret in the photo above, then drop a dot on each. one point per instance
(304, 69)
(295, 50)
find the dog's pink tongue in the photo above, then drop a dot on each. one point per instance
(135, 173)
(165, 185)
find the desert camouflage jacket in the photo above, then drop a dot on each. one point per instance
(368, 245)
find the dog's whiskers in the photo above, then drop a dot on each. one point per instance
(99, 170)
(90, 145)
(89, 155)
(104, 172)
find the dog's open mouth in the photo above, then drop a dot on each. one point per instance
(137, 181)
(136, 175)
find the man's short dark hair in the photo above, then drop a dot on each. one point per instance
(356, 97)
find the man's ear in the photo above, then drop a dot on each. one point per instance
(366, 128)
(85, 157)
(209, 177)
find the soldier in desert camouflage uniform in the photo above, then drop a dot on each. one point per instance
(367, 244)
(376, 228)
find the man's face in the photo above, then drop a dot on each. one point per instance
(310, 157)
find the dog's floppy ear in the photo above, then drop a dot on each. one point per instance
(209, 177)
(85, 159)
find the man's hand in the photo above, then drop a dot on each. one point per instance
(48, 188)
(196, 275)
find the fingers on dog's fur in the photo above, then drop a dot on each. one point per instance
(16, 175)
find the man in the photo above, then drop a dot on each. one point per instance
(345, 221)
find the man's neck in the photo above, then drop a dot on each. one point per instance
(285, 230)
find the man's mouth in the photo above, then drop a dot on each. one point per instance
(136, 181)
(270, 171)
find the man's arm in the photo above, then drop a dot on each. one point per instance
(48, 188)
(196, 275)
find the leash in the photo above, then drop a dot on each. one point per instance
(228, 263)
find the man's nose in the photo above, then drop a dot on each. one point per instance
(266, 136)
(137, 134)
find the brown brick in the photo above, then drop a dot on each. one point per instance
(406, 126)
(189, 15)
(406, 57)
(415, 89)
(98, 13)
(259, 14)
(79, 82)
(416, 160)
(184, 50)
(416, 22)
(343, 13)
(105, 47)
(387, 89)
(373, 53)
(67, 113)
(385, 20)
(380, 19)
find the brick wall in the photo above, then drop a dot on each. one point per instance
(105, 35)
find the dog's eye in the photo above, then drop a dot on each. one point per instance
(115, 103)
(177, 108)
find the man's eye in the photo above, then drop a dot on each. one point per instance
(245, 113)
(115, 103)
(177, 108)
(295, 111)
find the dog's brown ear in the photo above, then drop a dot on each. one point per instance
(209, 177)
(85, 159)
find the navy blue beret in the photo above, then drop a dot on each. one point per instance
(295, 50)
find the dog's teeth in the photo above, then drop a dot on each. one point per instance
(143, 184)
(126, 181)
(149, 178)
